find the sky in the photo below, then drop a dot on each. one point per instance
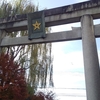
(69, 80)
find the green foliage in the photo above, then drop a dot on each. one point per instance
(16, 7)
(30, 89)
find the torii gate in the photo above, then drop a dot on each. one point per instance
(84, 12)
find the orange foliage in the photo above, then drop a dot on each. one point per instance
(12, 80)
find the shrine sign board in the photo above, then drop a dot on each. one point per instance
(36, 25)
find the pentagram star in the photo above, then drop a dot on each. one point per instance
(36, 25)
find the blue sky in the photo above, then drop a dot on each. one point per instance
(55, 3)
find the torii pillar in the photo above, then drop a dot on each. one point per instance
(2, 35)
(91, 63)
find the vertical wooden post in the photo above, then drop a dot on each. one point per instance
(91, 64)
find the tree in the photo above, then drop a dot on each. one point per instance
(12, 79)
(36, 58)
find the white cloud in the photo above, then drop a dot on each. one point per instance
(66, 60)
(68, 71)
(64, 27)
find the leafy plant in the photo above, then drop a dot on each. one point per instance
(12, 79)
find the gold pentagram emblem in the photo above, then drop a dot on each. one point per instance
(36, 25)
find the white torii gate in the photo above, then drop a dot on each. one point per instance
(83, 12)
